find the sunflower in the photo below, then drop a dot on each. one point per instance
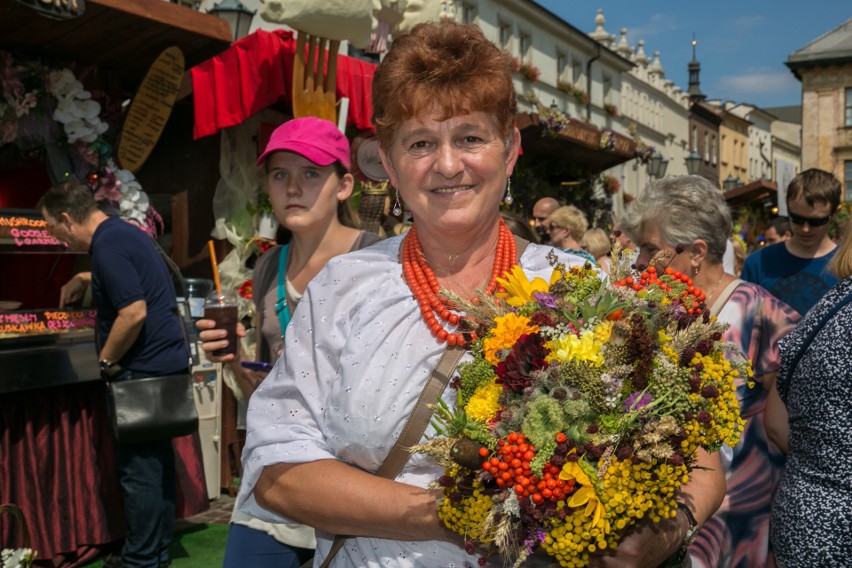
(519, 289)
(585, 495)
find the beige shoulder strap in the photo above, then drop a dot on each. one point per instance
(723, 297)
(412, 431)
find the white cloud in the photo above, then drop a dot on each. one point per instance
(757, 83)
(745, 22)
(657, 24)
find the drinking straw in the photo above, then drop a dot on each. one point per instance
(215, 267)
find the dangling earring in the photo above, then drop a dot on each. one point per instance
(508, 199)
(397, 208)
(697, 270)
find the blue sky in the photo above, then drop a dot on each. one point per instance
(742, 46)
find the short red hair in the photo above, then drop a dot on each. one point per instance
(451, 66)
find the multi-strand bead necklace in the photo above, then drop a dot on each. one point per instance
(424, 284)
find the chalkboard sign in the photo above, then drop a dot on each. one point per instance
(45, 322)
(150, 109)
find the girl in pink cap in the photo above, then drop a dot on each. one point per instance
(307, 171)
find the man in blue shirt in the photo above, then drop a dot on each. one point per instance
(796, 270)
(139, 335)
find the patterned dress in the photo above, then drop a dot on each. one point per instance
(812, 511)
(738, 534)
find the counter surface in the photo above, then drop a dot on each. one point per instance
(46, 361)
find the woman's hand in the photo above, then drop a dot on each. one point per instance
(213, 339)
(247, 379)
(647, 545)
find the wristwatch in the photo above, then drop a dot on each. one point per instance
(692, 532)
(105, 365)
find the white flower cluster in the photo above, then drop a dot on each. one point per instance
(75, 109)
(134, 202)
(16, 558)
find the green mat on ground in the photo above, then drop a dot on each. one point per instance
(199, 546)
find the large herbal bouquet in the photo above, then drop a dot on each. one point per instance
(582, 411)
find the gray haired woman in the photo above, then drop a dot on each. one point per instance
(687, 218)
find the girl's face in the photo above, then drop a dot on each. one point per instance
(304, 195)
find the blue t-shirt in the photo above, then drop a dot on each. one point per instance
(796, 281)
(126, 267)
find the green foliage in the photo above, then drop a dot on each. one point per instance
(543, 421)
(473, 375)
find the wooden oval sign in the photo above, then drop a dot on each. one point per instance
(150, 109)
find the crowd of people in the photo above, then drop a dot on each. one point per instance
(353, 338)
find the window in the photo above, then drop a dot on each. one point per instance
(525, 44)
(847, 177)
(468, 13)
(848, 107)
(713, 150)
(694, 140)
(561, 64)
(607, 87)
(706, 146)
(576, 72)
(505, 34)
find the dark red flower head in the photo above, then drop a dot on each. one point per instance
(526, 356)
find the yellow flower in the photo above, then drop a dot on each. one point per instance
(505, 334)
(519, 289)
(573, 348)
(483, 405)
(603, 331)
(585, 495)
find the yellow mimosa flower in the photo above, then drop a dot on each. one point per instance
(483, 404)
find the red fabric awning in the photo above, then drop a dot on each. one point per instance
(257, 72)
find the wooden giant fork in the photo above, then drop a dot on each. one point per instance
(314, 89)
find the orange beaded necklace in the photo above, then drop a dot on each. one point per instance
(424, 284)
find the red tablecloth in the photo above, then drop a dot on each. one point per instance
(57, 464)
(257, 72)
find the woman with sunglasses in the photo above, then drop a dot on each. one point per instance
(796, 271)
(686, 220)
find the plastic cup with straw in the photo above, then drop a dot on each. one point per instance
(221, 306)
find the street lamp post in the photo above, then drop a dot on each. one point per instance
(693, 162)
(236, 14)
(657, 166)
(730, 183)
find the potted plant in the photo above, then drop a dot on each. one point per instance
(611, 109)
(267, 224)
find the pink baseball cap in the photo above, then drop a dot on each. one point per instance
(313, 138)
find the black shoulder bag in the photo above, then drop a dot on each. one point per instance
(155, 408)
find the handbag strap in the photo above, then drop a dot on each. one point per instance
(413, 429)
(723, 297)
(418, 420)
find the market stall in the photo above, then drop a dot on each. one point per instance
(62, 107)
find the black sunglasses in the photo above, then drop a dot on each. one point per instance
(812, 221)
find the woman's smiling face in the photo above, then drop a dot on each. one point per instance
(303, 194)
(451, 173)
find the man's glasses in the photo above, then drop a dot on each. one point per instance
(540, 219)
(812, 221)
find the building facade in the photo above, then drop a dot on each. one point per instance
(824, 67)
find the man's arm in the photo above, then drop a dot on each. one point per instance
(74, 289)
(124, 330)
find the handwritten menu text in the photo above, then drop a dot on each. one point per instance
(46, 322)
